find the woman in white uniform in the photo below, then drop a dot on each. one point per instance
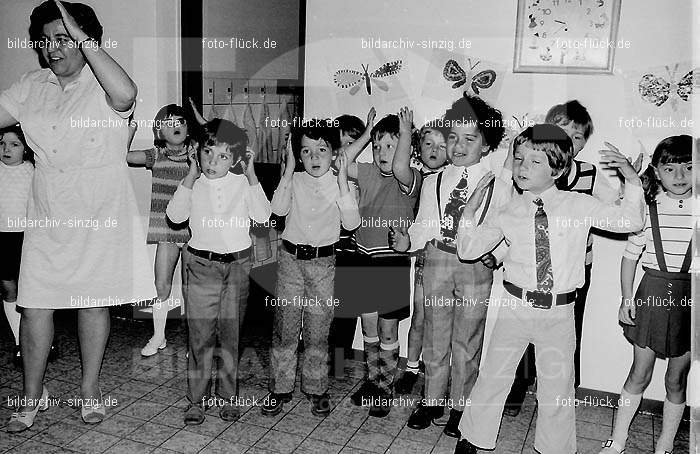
(84, 246)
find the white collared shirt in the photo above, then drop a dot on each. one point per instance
(315, 209)
(220, 211)
(570, 216)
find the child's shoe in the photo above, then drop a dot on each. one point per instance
(366, 392)
(452, 427)
(194, 415)
(464, 447)
(321, 404)
(229, 413)
(274, 402)
(23, 420)
(612, 447)
(152, 347)
(405, 383)
(381, 405)
(423, 416)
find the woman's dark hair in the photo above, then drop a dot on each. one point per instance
(170, 111)
(48, 12)
(17, 130)
(314, 130)
(474, 110)
(671, 150)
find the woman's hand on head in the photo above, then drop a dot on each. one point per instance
(72, 27)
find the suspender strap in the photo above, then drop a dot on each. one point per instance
(687, 260)
(488, 202)
(437, 191)
(656, 235)
(489, 195)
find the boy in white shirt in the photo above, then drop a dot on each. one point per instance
(217, 259)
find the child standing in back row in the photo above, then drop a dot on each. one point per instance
(168, 162)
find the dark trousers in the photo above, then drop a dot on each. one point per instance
(525, 374)
(217, 294)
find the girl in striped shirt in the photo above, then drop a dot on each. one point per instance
(168, 161)
(656, 320)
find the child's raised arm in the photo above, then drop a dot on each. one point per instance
(282, 198)
(355, 148)
(401, 165)
(197, 115)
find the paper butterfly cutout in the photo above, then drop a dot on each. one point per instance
(454, 73)
(657, 90)
(350, 78)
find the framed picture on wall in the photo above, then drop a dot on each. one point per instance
(566, 36)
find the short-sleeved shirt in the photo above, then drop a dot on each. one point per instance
(86, 246)
(383, 203)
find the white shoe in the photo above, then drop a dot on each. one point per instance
(611, 447)
(152, 347)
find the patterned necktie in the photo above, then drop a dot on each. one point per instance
(453, 210)
(543, 259)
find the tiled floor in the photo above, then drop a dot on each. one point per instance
(149, 395)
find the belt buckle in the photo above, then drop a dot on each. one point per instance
(305, 252)
(540, 300)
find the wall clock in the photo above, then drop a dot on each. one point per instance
(566, 36)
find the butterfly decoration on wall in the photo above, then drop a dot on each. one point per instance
(657, 90)
(350, 78)
(454, 73)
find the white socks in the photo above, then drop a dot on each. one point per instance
(13, 317)
(672, 418)
(412, 366)
(627, 408)
(160, 316)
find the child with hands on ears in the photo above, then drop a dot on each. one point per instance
(220, 205)
(316, 204)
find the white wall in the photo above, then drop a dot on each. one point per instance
(659, 33)
(146, 33)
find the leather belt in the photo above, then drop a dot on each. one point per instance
(308, 252)
(540, 300)
(216, 257)
(444, 247)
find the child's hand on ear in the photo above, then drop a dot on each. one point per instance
(289, 164)
(249, 167)
(405, 121)
(194, 171)
(637, 164)
(399, 240)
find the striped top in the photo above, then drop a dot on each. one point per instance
(383, 203)
(584, 178)
(675, 223)
(168, 171)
